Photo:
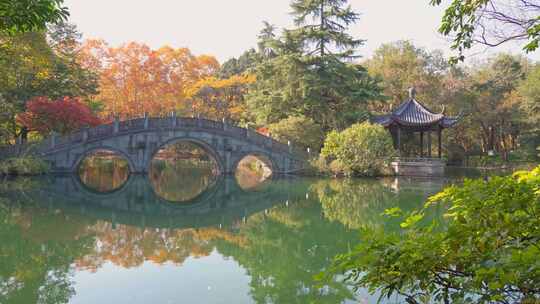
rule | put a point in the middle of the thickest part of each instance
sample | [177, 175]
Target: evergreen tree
[266, 48]
[238, 66]
[267, 38]
[322, 29]
[310, 72]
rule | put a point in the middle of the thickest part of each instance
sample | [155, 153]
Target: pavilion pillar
[422, 144]
[429, 143]
[440, 142]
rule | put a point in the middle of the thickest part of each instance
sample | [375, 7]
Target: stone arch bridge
[137, 140]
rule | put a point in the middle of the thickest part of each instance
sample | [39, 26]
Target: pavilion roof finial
[412, 93]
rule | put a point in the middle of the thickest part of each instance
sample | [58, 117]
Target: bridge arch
[138, 140]
[200, 143]
[264, 157]
[88, 152]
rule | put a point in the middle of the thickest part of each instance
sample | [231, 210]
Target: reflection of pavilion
[425, 185]
[413, 117]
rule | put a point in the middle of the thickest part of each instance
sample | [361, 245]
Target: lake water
[106, 237]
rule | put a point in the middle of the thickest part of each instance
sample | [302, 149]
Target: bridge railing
[211, 124]
[76, 136]
[186, 122]
[154, 123]
[20, 149]
[100, 131]
[237, 131]
[62, 141]
[129, 125]
[159, 123]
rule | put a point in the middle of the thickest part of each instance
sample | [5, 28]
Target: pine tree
[322, 28]
[267, 39]
[311, 73]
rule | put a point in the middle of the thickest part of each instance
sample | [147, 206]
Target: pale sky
[226, 28]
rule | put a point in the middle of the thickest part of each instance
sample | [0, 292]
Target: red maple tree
[64, 115]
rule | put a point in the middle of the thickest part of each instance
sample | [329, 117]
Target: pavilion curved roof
[413, 114]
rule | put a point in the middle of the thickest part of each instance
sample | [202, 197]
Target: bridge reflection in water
[282, 231]
[136, 203]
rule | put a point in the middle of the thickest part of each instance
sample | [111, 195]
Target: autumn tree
[488, 94]
[134, 79]
[40, 64]
[63, 116]
[221, 98]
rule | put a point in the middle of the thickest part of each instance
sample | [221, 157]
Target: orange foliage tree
[63, 115]
[221, 98]
[130, 246]
[135, 79]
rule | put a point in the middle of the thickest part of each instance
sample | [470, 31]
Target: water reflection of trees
[281, 248]
[252, 172]
[287, 246]
[41, 247]
[129, 246]
[181, 171]
[104, 171]
[34, 269]
[361, 202]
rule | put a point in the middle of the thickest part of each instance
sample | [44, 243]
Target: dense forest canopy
[313, 69]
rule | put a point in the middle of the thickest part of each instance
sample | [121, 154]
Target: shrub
[363, 149]
[300, 131]
[25, 165]
[486, 253]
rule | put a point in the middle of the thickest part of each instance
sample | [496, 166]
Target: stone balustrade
[106, 134]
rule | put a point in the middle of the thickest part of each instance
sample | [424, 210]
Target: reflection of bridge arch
[89, 152]
[135, 182]
[89, 189]
[137, 205]
[139, 139]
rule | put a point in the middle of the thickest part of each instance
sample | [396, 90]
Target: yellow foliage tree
[216, 98]
[135, 79]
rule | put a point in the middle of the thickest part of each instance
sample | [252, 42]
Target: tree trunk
[24, 135]
[485, 137]
[322, 29]
[491, 143]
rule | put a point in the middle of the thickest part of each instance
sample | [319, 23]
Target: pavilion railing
[418, 159]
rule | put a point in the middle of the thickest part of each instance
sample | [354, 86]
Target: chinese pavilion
[413, 117]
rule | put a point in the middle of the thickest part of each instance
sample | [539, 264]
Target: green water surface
[69, 239]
